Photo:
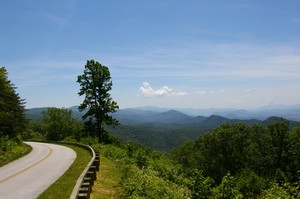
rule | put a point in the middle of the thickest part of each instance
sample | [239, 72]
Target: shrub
[226, 189]
[145, 183]
[200, 186]
[276, 192]
[250, 184]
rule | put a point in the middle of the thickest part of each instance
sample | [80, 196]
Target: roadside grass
[63, 187]
[13, 152]
[107, 185]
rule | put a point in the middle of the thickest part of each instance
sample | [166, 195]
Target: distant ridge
[290, 112]
[131, 116]
[162, 130]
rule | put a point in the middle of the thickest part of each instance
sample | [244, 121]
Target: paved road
[29, 176]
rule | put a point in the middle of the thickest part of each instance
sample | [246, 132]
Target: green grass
[13, 152]
[64, 186]
[107, 185]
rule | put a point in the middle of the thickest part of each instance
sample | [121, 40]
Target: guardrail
[85, 182]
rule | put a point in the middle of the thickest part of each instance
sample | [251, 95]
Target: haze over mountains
[164, 129]
[290, 112]
[150, 114]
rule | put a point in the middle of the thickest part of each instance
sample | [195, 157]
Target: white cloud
[203, 92]
[248, 90]
[148, 91]
[200, 92]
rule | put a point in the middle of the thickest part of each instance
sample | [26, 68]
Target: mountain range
[164, 129]
[290, 112]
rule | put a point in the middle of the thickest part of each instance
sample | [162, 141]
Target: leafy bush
[276, 192]
[200, 186]
[226, 190]
[29, 134]
[111, 151]
[88, 140]
[250, 184]
[168, 170]
[11, 149]
[145, 183]
[146, 174]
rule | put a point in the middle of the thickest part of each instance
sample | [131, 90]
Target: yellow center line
[29, 167]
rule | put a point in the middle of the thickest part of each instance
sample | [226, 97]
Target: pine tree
[95, 84]
[12, 107]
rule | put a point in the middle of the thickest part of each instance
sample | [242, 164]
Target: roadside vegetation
[12, 149]
[107, 185]
[12, 121]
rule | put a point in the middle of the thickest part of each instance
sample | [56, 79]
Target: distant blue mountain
[182, 116]
[290, 112]
[165, 129]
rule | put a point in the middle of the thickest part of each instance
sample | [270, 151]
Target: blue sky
[167, 53]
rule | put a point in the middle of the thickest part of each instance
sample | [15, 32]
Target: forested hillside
[231, 161]
[160, 130]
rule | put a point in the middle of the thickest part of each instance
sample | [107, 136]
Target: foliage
[146, 174]
[293, 154]
[95, 84]
[226, 189]
[162, 137]
[11, 149]
[30, 134]
[232, 161]
[59, 123]
[250, 184]
[145, 183]
[200, 186]
[256, 156]
[12, 119]
[276, 192]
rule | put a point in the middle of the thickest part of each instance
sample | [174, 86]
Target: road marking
[29, 167]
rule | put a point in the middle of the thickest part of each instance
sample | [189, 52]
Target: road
[29, 176]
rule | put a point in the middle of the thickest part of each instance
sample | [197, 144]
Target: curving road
[30, 175]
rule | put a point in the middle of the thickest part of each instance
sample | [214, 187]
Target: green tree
[260, 151]
[12, 117]
[223, 150]
[95, 84]
[59, 123]
[279, 132]
[294, 155]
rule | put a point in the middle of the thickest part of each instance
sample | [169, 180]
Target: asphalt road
[29, 176]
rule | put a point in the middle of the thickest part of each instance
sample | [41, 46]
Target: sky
[166, 53]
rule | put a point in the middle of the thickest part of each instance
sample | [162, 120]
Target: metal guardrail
[85, 182]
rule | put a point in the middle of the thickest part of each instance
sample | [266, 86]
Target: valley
[163, 129]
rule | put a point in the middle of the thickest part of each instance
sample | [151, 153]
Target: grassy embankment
[63, 187]
[11, 150]
[107, 185]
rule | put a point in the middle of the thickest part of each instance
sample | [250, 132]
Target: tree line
[255, 155]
